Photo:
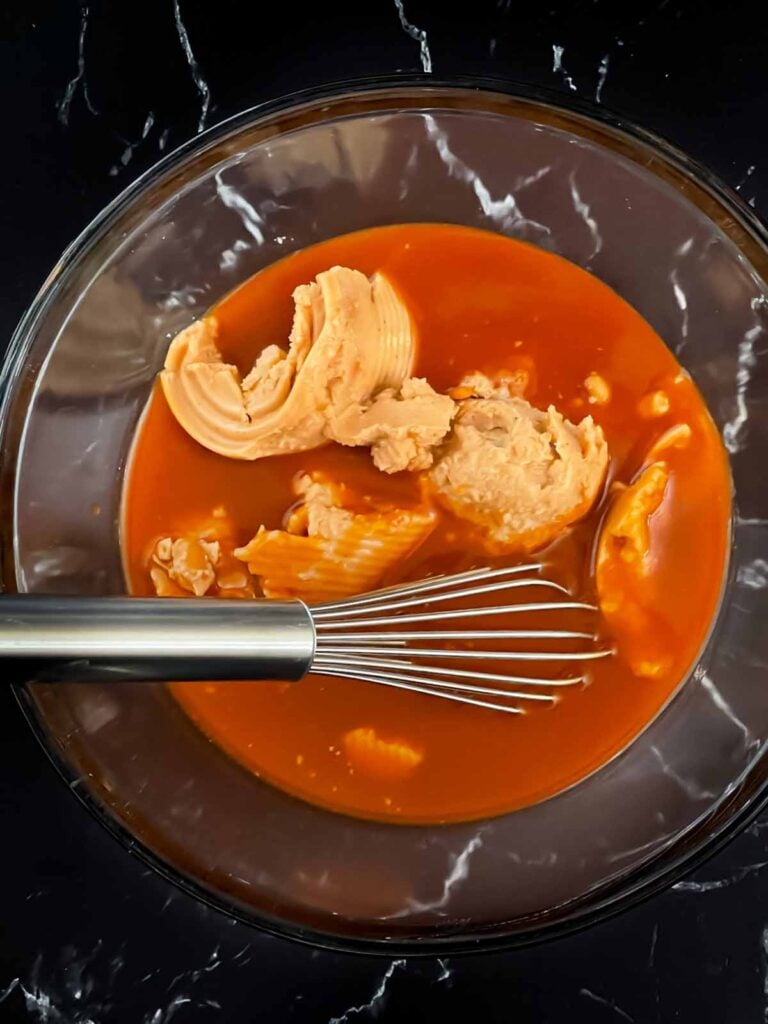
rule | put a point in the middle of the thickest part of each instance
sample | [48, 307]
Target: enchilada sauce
[485, 303]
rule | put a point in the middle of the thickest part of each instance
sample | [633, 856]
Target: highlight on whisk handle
[125, 638]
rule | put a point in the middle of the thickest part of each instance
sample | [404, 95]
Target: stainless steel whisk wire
[350, 641]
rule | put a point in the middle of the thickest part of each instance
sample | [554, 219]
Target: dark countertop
[93, 95]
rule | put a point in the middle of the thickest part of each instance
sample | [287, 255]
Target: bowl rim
[748, 797]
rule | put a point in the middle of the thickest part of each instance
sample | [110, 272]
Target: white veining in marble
[652, 948]
[585, 213]
[545, 860]
[166, 903]
[505, 212]
[408, 171]
[55, 561]
[525, 180]
[714, 884]
[617, 1010]
[445, 970]
[746, 363]
[162, 142]
[653, 844]
[11, 987]
[602, 74]
[689, 787]
[164, 1015]
[374, 1003]
[241, 957]
[65, 105]
[195, 974]
[681, 300]
[764, 959]
[685, 247]
[722, 705]
[130, 147]
[558, 69]
[419, 35]
[70, 995]
[230, 257]
[200, 83]
[251, 218]
[754, 574]
[750, 171]
[41, 1008]
[149, 124]
[38, 893]
[751, 521]
[181, 298]
[459, 872]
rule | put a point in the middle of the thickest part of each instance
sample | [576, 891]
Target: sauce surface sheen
[480, 302]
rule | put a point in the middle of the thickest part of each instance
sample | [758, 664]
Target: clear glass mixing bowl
[680, 247]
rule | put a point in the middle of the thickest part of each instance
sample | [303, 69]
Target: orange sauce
[479, 302]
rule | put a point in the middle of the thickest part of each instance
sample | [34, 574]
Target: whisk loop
[356, 639]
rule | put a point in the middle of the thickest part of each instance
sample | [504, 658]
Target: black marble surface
[92, 95]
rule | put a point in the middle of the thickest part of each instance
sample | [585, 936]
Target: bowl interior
[87, 356]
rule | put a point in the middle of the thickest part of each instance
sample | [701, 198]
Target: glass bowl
[669, 238]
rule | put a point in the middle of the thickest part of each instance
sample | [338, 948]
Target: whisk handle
[154, 639]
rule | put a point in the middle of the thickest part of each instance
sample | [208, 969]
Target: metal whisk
[392, 637]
